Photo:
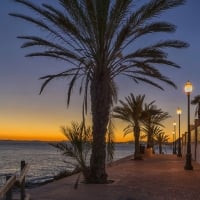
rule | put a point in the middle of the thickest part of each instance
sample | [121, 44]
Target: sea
[45, 160]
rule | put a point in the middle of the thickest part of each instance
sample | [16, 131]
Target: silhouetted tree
[131, 111]
[160, 138]
[96, 40]
[77, 146]
[153, 118]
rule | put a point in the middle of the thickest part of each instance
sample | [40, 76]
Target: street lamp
[173, 143]
[188, 164]
[179, 111]
[174, 125]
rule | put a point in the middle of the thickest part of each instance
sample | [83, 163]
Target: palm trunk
[100, 106]
[137, 155]
[149, 140]
[160, 148]
[152, 144]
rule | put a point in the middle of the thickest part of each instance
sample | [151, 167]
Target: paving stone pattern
[160, 177]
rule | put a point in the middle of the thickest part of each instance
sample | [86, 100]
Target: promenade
[160, 177]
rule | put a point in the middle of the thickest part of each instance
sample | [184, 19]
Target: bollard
[22, 187]
[9, 192]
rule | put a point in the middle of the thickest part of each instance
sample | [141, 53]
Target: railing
[6, 191]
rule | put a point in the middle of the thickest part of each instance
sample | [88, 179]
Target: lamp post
[179, 111]
[173, 143]
[188, 164]
[174, 125]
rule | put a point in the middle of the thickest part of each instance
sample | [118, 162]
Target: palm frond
[96, 32]
[48, 78]
[96, 40]
[128, 129]
[78, 143]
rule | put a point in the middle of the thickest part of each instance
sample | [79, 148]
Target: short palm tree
[96, 41]
[160, 139]
[153, 118]
[131, 111]
[78, 145]
[196, 101]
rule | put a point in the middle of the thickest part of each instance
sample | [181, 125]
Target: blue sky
[23, 111]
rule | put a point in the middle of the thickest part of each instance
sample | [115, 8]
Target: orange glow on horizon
[40, 137]
[31, 129]
[52, 134]
[53, 137]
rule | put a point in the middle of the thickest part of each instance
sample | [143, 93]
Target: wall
[195, 141]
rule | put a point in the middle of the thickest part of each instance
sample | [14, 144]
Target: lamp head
[188, 87]
[178, 111]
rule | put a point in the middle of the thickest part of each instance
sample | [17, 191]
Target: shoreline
[60, 176]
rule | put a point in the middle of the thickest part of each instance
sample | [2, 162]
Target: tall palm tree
[153, 118]
[160, 139]
[196, 101]
[131, 111]
[96, 40]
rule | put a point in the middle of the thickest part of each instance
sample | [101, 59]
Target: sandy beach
[158, 177]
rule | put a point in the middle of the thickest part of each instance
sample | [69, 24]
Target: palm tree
[131, 111]
[160, 139]
[196, 101]
[95, 39]
[153, 118]
[78, 145]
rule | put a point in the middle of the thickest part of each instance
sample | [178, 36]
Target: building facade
[195, 141]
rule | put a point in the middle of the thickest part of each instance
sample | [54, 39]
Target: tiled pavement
[160, 177]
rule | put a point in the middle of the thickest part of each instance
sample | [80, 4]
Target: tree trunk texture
[149, 140]
[100, 106]
[137, 154]
[160, 148]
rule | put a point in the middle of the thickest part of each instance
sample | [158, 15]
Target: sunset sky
[26, 115]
